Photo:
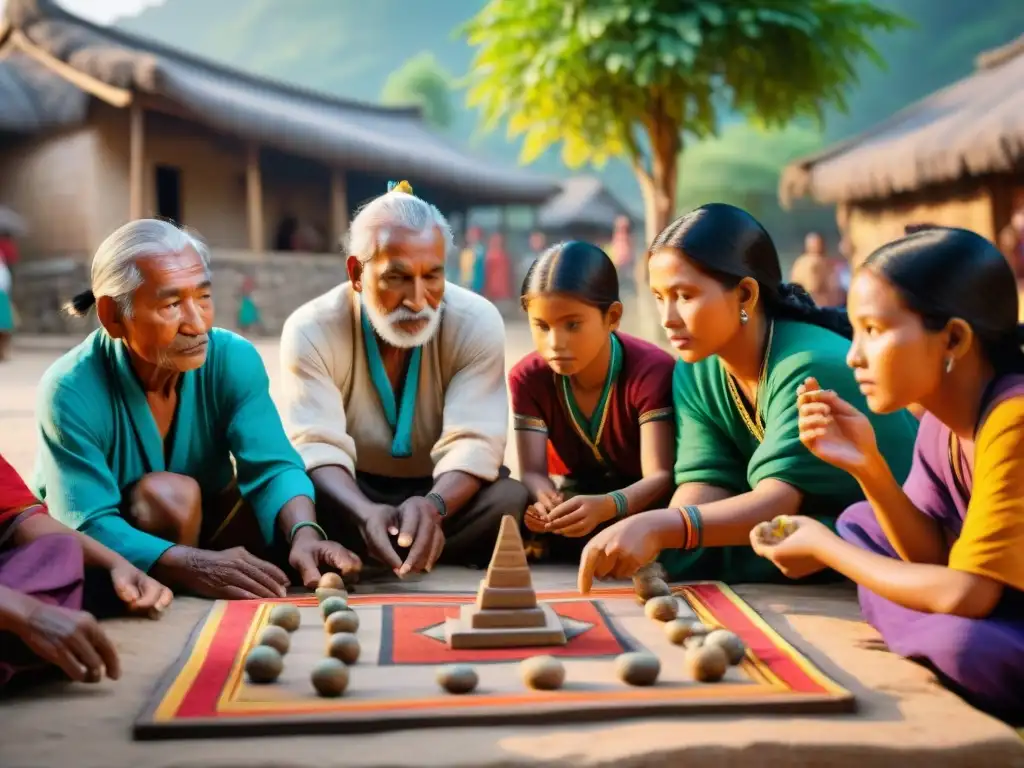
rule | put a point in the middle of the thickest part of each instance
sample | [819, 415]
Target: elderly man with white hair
[395, 397]
[158, 437]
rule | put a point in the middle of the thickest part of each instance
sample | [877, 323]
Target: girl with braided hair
[746, 342]
[937, 558]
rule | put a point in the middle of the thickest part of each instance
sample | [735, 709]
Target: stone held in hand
[345, 620]
[276, 637]
[332, 605]
[649, 588]
[263, 664]
[678, 631]
[543, 673]
[285, 615]
[663, 608]
[330, 677]
[331, 580]
[638, 668]
[457, 678]
[707, 663]
[729, 642]
[344, 646]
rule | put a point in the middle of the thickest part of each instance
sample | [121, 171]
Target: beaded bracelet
[621, 504]
[694, 538]
[306, 524]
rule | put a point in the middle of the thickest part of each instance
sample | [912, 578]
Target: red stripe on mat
[201, 698]
[762, 645]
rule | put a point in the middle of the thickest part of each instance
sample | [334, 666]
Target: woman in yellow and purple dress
[600, 399]
[938, 559]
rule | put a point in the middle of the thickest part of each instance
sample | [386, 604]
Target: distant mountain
[349, 47]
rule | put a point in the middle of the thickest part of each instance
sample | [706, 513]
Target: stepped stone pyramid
[506, 613]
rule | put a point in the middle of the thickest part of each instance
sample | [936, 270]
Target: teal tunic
[98, 437]
[716, 446]
[6, 313]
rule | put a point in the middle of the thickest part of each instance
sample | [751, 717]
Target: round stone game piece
[323, 593]
[694, 641]
[678, 630]
[729, 642]
[647, 588]
[343, 646]
[332, 605]
[457, 678]
[345, 620]
[276, 637]
[330, 677]
[544, 673]
[662, 608]
[263, 664]
[638, 668]
[331, 580]
[286, 616]
[707, 663]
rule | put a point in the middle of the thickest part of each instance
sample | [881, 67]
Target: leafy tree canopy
[631, 78]
[422, 81]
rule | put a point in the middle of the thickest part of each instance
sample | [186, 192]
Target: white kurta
[333, 413]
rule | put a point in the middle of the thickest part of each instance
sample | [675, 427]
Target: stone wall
[284, 281]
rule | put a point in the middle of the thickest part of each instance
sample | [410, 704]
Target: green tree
[741, 165]
[421, 81]
[634, 78]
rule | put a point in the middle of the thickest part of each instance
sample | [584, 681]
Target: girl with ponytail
[940, 559]
[746, 341]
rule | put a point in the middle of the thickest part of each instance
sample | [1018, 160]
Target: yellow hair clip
[400, 186]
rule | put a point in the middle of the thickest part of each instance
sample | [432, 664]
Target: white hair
[115, 272]
[392, 216]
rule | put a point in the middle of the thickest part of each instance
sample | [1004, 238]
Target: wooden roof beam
[112, 95]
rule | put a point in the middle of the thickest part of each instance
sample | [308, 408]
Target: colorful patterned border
[197, 698]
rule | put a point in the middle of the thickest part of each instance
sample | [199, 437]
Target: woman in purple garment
[939, 562]
[42, 579]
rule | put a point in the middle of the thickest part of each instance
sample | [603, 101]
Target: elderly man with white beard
[395, 397]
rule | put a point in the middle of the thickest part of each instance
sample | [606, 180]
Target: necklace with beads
[755, 424]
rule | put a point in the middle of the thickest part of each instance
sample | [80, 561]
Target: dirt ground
[904, 717]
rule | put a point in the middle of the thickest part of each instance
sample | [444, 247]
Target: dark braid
[729, 244]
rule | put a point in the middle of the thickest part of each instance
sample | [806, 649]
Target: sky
[102, 11]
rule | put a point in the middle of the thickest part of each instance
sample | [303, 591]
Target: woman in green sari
[746, 342]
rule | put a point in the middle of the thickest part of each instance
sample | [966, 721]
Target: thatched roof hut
[583, 209]
[54, 63]
[970, 128]
[954, 158]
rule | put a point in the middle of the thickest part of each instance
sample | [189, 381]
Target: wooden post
[339, 210]
[254, 198]
[137, 161]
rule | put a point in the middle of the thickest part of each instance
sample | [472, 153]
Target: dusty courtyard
[903, 717]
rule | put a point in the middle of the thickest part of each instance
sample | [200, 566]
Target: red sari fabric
[15, 496]
[641, 393]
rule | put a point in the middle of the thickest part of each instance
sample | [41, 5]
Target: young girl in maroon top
[598, 399]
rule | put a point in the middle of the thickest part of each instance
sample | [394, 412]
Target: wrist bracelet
[439, 503]
[306, 524]
[621, 504]
[694, 525]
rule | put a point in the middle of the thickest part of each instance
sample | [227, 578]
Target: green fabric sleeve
[79, 489]
[781, 455]
[270, 471]
[704, 454]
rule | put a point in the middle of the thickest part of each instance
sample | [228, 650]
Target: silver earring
[949, 365]
[744, 317]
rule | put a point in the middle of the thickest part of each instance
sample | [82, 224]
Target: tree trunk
[658, 188]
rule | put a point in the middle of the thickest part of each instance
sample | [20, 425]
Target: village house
[98, 126]
[955, 158]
